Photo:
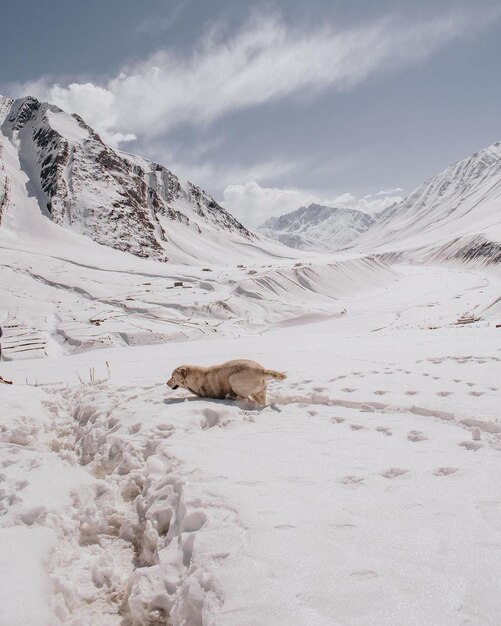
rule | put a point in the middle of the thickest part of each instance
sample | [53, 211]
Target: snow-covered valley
[365, 492]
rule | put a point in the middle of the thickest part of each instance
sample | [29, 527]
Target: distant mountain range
[454, 215]
[52, 163]
[318, 227]
[54, 166]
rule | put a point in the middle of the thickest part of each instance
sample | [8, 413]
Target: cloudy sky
[270, 105]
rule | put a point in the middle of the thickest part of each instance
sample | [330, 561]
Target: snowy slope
[366, 493]
[317, 227]
[116, 199]
[454, 215]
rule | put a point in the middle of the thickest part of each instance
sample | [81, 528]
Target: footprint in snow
[385, 430]
[364, 574]
[411, 393]
[445, 471]
[476, 393]
[357, 426]
[380, 392]
[394, 472]
[416, 435]
[348, 389]
[337, 420]
[471, 445]
[351, 480]
[443, 394]
[284, 526]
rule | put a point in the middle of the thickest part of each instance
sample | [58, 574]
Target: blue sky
[270, 105]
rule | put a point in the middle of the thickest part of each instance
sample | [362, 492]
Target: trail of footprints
[395, 472]
[412, 392]
[413, 436]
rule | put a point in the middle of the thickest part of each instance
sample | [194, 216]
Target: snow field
[362, 494]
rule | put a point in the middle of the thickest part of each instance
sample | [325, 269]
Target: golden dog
[234, 379]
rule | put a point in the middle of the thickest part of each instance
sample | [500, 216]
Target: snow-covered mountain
[317, 227]
[454, 215]
[65, 171]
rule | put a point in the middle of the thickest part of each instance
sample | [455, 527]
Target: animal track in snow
[283, 526]
[351, 480]
[357, 426]
[394, 472]
[385, 430]
[337, 420]
[416, 435]
[380, 392]
[348, 389]
[443, 394]
[445, 471]
[471, 445]
[411, 392]
[364, 574]
[476, 393]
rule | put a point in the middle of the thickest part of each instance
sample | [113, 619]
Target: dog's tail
[274, 374]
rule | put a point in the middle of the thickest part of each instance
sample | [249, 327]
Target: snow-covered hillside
[454, 215]
[365, 492]
[68, 174]
[317, 227]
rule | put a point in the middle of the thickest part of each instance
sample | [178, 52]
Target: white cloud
[206, 173]
[253, 204]
[263, 62]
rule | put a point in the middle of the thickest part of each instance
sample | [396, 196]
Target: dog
[231, 380]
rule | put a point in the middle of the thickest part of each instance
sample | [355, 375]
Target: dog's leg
[241, 385]
[260, 396]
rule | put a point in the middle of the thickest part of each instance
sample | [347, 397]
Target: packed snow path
[366, 493]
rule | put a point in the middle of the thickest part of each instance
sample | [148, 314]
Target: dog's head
[178, 377]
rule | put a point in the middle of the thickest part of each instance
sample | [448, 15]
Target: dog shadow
[245, 405]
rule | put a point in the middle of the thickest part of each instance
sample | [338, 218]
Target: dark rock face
[118, 200]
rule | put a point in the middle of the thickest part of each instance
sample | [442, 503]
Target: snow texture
[366, 491]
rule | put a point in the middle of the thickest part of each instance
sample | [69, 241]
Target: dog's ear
[183, 371]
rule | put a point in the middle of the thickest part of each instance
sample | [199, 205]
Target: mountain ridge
[119, 200]
[317, 227]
